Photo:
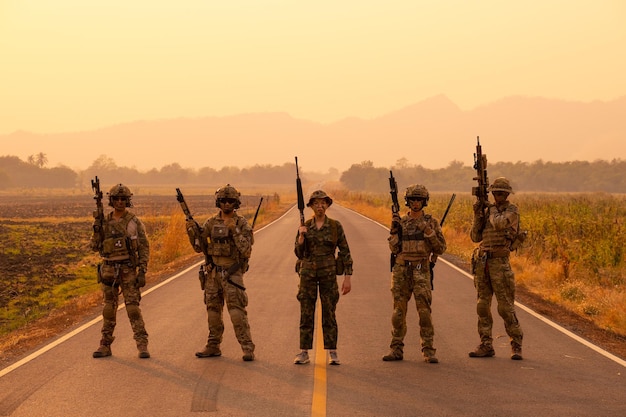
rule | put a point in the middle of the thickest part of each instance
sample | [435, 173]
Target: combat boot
[394, 355]
[483, 351]
[429, 355]
[103, 351]
[209, 351]
[516, 351]
[143, 350]
[248, 355]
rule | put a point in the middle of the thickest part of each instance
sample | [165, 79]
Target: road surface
[559, 376]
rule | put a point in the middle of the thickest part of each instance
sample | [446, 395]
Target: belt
[219, 268]
[417, 264]
[119, 262]
[503, 253]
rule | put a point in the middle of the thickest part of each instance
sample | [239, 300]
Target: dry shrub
[170, 241]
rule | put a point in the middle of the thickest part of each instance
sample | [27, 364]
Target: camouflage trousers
[407, 281]
[494, 276]
[218, 291]
[125, 284]
[326, 281]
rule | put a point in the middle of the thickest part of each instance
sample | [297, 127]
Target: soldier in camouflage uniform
[315, 246]
[496, 228]
[228, 238]
[125, 251]
[415, 239]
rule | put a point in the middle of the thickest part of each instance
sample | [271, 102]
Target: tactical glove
[478, 208]
[141, 279]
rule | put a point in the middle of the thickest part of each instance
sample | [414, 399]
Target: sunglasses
[228, 200]
[119, 198]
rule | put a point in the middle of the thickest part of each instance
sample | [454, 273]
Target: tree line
[538, 176]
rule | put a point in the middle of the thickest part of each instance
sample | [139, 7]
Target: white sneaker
[302, 358]
[334, 359]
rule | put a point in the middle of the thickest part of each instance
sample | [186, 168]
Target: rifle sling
[228, 272]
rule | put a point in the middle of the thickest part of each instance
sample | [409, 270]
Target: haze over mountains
[431, 133]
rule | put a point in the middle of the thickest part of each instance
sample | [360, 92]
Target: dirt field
[34, 260]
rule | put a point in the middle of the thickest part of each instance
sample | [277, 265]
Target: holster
[203, 273]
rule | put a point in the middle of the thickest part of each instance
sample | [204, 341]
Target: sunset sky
[71, 65]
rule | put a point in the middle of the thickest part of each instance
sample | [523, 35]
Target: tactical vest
[116, 241]
[414, 244]
[220, 242]
[498, 239]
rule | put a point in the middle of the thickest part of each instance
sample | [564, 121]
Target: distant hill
[431, 133]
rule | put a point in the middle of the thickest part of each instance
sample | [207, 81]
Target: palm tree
[41, 160]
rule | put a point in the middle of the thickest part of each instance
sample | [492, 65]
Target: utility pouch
[473, 261]
[339, 266]
[98, 273]
[202, 276]
[107, 274]
[114, 246]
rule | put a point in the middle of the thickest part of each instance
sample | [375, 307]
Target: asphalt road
[559, 376]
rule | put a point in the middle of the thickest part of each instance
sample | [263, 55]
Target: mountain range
[431, 133]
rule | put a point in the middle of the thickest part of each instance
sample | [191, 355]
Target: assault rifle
[194, 230]
[98, 214]
[300, 194]
[480, 165]
[433, 260]
[395, 209]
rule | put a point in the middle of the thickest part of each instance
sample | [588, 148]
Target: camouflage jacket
[320, 245]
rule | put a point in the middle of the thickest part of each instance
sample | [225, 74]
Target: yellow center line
[318, 407]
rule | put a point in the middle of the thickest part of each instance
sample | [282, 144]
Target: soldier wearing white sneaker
[316, 243]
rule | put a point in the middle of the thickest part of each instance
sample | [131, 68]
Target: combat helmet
[416, 191]
[227, 191]
[120, 190]
[319, 194]
[501, 184]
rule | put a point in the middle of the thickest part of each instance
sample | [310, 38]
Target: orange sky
[71, 65]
